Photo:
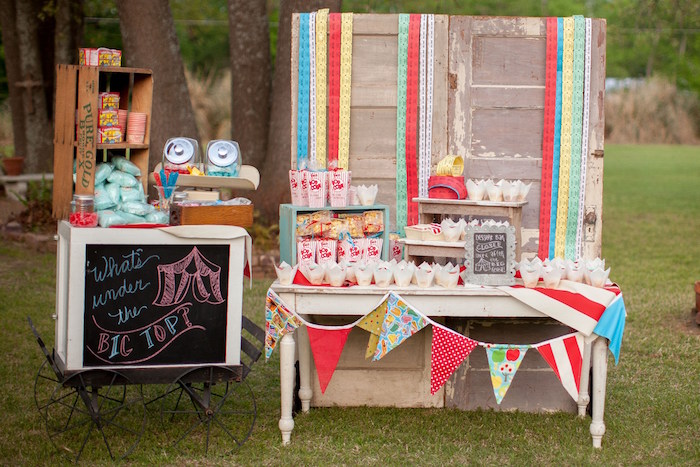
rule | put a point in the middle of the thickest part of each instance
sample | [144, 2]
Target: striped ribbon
[576, 130]
[345, 87]
[312, 88]
[412, 116]
[401, 199]
[550, 97]
[422, 183]
[584, 144]
[334, 27]
[557, 139]
[321, 87]
[565, 151]
[303, 93]
[427, 56]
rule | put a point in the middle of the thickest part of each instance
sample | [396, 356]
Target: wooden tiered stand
[77, 88]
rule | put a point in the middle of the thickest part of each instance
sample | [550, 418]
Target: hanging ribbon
[321, 87]
[401, 189]
[550, 96]
[312, 87]
[303, 93]
[576, 134]
[412, 117]
[584, 144]
[556, 149]
[345, 88]
[334, 26]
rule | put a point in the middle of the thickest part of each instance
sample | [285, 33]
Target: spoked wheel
[45, 384]
[95, 413]
[208, 410]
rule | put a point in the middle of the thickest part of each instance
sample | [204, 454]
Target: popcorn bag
[373, 249]
[338, 187]
[306, 251]
[326, 250]
[395, 250]
[295, 185]
[350, 249]
[317, 189]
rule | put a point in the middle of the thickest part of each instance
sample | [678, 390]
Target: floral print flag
[400, 323]
[504, 361]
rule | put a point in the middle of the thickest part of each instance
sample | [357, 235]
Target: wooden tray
[248, 179]
[241, 216]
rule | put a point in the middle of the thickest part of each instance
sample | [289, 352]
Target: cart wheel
[95, 412]
[212, 409]
[44, 385]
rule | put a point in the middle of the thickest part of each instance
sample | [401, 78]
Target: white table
[436, 302]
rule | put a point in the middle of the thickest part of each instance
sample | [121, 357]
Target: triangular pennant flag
[400, 323]
[326, 345]
[373, 324]
[504, 361]
[448, 350]
[565, 356]
[279, 320]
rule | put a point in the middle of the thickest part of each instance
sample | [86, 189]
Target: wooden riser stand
[77, 88]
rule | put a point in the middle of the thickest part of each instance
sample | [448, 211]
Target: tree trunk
[274, 180]
[69, 26]
[38, 127]
[8, 26]
[249, 46]
[149, 41]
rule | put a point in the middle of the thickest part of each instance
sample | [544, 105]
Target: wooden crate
[77, 88]
[241, 216]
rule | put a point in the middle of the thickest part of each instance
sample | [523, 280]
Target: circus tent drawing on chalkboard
[193, 271]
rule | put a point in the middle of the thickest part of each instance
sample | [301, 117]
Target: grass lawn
[651, 239]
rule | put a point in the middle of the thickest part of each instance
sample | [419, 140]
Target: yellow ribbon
[321, 86]
[345, 85]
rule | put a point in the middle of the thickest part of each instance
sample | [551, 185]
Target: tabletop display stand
[435, 210]
[288, 225]
[77, 89]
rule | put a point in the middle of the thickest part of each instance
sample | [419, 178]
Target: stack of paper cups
[136, 127]
[122, 119]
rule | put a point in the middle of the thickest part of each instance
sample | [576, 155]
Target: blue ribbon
[557, 138]
[303, 93]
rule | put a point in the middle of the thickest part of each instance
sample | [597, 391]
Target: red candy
[83, 219]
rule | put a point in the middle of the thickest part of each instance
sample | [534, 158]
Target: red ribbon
[334, 28]
[412, 116]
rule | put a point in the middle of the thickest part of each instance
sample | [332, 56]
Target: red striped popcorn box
[317, 189]
[306, 251]
[326, 249]
[338, 184]
[295, 185]
[350, 249]
[372, 249]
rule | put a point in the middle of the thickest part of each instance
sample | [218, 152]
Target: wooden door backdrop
[489, 80]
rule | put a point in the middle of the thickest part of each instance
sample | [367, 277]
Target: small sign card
[490, 255]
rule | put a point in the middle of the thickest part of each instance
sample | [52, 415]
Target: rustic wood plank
[373, 132]
[507, 133]
[440, 85]
[509, 26]
[386, 25]
[500, 97]
[374, 60]
[459, 85]
[508, 60]
[88, 80]
[64, 137]
[525, 169]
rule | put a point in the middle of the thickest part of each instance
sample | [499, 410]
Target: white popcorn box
[338, 186]
[304, 183]
[372, 249]
[326, 249]
[317, 189]
[350, 249]
[295, 185]
[306, 251]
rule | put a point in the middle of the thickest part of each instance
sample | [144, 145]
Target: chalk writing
[490, 253]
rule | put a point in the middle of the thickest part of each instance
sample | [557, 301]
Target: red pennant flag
[448, 351]
[326, 345]
[565, 356]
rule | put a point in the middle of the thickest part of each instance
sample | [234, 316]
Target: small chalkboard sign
[490, 255]
[155, 304]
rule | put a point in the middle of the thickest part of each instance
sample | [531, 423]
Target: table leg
[286, 423]
[305, 388]
[583, 397]
[600, 370]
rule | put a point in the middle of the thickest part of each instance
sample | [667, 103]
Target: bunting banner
[611, 325]
[565, 355]
[326, 345]
[504, 361]
[372, 323]
[447, 352]
[400, 322]
[279, 320]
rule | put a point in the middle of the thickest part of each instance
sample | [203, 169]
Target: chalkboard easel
[490, 255]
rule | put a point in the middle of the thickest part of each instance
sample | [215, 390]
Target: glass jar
[83, 211]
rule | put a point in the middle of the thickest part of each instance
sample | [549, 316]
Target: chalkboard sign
[155, 304]
[490, 252]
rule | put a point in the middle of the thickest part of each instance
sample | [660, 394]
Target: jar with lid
[83, 211]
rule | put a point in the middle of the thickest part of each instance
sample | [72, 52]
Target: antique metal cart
[138, 310]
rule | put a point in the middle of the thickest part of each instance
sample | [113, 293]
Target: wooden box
[241, 216]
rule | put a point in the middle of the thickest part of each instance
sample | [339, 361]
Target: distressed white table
[436, 302]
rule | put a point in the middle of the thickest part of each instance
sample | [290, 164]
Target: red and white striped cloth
[571, 303]
[565, 355]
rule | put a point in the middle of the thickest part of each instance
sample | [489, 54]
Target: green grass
[651, 241]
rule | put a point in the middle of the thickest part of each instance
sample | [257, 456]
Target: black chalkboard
[155, 304]
[490, 253]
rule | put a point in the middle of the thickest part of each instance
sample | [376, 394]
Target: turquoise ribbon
[303, 93]
[401, 84]
[557, 138]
